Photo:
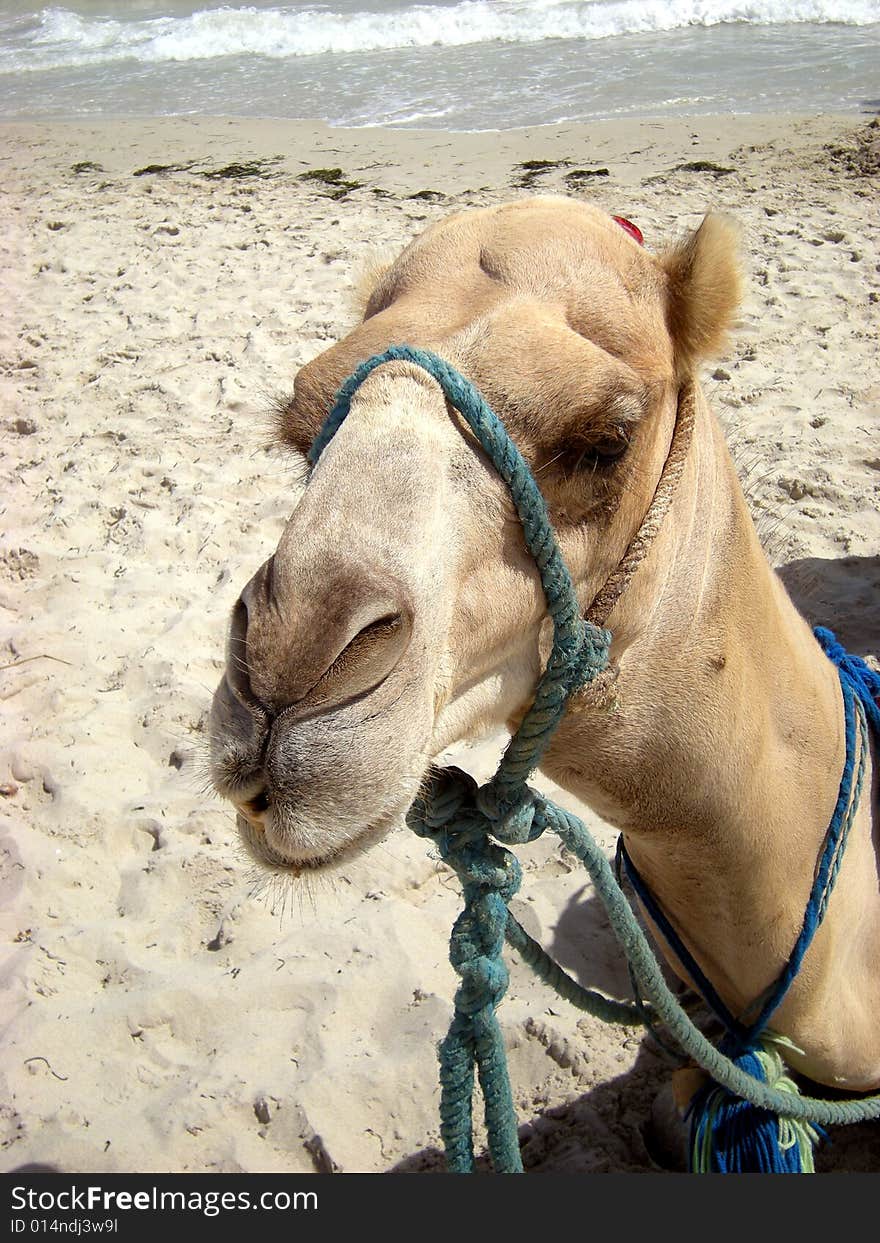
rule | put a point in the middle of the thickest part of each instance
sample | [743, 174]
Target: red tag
[632, 229]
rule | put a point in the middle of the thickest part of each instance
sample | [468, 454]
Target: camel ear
[704, 289]
[368, 276]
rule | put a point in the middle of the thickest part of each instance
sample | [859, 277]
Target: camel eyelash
[596, 454]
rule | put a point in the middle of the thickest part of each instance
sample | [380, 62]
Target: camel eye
[593, 455]
[609, 448]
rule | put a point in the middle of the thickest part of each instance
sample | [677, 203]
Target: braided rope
[744, 1031]
[461, 819]
[618, 581]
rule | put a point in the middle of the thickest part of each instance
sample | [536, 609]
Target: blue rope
[676, 944]
[855, 709]
[855, 730]
[462, 819]
[728, 1135]
[854, 672]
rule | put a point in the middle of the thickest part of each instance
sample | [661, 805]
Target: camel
[401, 613]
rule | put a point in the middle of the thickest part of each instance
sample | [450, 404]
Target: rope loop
[444, 793]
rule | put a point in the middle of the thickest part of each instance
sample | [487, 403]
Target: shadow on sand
[608, 1130]
[629, 1123]
[842, 593]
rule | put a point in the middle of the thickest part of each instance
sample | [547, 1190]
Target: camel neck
[721, 754]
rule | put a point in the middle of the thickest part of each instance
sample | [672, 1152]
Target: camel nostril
[237, 643]
[237, 671]
[382, 627]
[287, 650]
[378, 638]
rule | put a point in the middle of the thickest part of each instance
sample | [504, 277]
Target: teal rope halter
[462, 819]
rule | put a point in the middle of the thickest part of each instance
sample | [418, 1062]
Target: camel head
[401, 612]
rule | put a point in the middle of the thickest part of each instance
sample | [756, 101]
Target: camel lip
[254, 809]
[267, 854]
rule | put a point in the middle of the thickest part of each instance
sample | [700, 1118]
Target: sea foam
[60, 38]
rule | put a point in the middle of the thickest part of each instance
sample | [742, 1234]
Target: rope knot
[444, 794]
[592, 654]
[510, 822]
[486, 868]
[483, 984]
[512, 879]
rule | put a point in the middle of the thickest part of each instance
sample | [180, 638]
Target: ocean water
[450, 64]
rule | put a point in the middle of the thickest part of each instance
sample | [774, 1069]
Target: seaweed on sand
[338, 186]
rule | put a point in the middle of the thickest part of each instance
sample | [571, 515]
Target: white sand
[149, 1000]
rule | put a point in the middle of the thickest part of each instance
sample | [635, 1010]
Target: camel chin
[282, 853]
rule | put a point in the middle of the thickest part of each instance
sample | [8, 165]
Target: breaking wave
[56, 38]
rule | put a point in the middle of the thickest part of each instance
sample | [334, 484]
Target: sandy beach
[164, 1008]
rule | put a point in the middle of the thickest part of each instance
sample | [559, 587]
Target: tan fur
[401, 612]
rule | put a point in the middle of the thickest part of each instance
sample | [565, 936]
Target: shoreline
[395, 159]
